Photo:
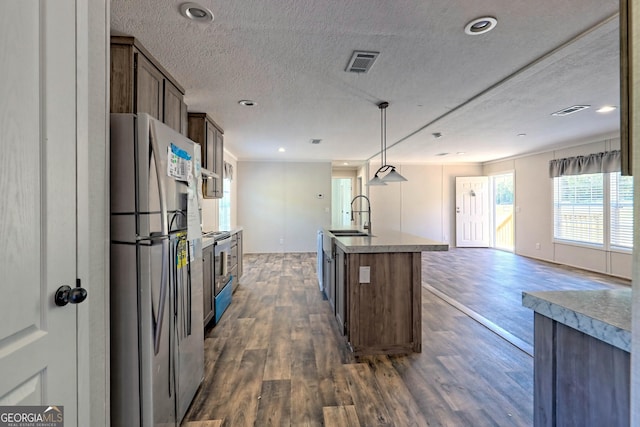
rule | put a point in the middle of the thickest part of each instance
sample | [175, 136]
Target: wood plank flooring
[276, 359]
[490, 282]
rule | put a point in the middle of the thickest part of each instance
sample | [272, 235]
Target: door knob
[66, 294]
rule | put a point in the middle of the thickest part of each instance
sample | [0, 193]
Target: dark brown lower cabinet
[579, 380]
[381, 315]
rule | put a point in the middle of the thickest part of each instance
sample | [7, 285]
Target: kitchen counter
[602, 314]
[388, 241]
[582, 362]
[374, 286]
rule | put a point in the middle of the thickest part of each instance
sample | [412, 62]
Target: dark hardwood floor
[490, 283]
[277, 359]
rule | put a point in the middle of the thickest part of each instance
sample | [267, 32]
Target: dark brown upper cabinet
[139, 84]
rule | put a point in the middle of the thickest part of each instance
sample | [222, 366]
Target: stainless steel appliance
[157, 343]
[223, 282]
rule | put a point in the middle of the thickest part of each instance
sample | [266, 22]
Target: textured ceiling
[479, 91]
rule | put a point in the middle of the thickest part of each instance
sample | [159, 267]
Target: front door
[38, 354]
[472, 212]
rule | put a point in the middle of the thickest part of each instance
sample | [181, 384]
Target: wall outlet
[365, 274]
[538, 246]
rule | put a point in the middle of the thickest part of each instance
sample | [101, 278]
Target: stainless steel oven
[222, 250]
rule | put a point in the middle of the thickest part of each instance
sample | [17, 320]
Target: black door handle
[66, 294]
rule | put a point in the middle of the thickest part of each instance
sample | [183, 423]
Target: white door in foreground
[38, 355]
[472, 212]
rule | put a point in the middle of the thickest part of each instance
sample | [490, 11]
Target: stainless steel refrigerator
[157, 337]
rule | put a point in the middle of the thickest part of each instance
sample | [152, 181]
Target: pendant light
[392, 175]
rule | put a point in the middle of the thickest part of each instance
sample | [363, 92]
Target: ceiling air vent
[570, 110]
[361, 62]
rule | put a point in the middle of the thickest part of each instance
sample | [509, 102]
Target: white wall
[534, 212]
[278, 205]
[424, 205]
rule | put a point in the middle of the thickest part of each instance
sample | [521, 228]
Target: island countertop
[602, 314]
[387, 241]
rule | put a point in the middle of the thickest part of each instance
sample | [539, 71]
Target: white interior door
[38, 354]
[341, 202]
[473, 217]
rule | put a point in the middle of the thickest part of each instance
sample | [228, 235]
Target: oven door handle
[224, 242]
[224, 257]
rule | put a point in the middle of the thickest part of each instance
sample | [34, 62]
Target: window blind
[579, 208]
[621, 210]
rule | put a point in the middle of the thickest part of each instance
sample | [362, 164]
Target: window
[594, 209]
[224, 210]
[621, 210]
[578, 208]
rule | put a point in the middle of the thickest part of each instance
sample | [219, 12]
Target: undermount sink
[349, 233]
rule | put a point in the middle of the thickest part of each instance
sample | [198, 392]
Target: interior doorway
[341, 192]
[503, 219]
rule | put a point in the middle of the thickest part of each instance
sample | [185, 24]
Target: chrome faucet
[367, 225]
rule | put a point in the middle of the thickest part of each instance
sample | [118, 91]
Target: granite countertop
[602, 314]
[386, 241]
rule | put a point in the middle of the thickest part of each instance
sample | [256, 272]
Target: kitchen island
[582, 344]
[377, 289]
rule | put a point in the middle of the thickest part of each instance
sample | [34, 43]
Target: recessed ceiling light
[437, 135]
[345, 164]
[247, 103]
[316, 141]
[195, 12]
[522, 134]
[442, 154]
[480, 25]
[460, 153]
[281, 149]
[606, 109]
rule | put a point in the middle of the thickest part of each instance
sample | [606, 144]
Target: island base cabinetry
[578, 380]
[382, 312]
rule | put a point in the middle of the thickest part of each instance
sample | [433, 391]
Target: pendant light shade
[376, 180]
[392, 175]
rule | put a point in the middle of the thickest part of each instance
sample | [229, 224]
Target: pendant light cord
[382, 161]
[383, 133]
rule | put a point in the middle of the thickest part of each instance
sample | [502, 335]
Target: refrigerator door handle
[189, 313]
[155, 149]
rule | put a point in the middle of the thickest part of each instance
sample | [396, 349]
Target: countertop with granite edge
[602, 314]
[387, 241]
